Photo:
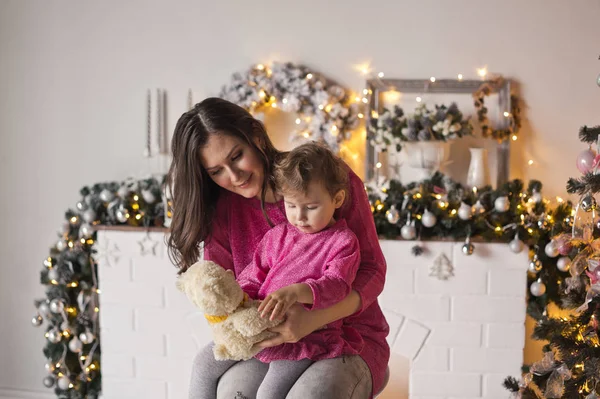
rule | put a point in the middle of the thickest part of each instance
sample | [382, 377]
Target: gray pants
[345, 377]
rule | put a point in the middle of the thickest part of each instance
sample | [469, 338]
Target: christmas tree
[570, 367]
[71, 306]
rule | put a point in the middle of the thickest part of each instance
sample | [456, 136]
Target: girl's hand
[298, 324]
[277, 303]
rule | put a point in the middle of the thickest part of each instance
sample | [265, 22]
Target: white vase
[425, 157]
[477, 174]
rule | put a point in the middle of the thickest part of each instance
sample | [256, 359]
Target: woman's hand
[298, 324]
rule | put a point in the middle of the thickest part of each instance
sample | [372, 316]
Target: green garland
[528, 215]
[70, 308]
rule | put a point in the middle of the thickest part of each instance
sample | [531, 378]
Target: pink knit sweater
[240, 225]
[327, 262]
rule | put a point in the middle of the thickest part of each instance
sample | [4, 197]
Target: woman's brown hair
[194, 193]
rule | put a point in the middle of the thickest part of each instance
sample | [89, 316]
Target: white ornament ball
[87, 337]
[428, 219]
[54, 336]
[106, 195]
[408, 232]
[501, 204]
[75, 345]
[537, 197]
[392, 215]
[50, 367]
[551, 250]
[121, 215]
[37, 320]
[563, 264]
[123, 191]
[89, 216]
[44, 309]
[516, 245]
[148, 196]
[53, 274]
[64, 383]
[464, 212]
[61, 245]
[86, 230]
[537, 288]
[56, 306]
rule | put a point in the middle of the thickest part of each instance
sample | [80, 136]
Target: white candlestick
[147, 149]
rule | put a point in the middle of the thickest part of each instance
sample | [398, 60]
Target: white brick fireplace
[454, 338]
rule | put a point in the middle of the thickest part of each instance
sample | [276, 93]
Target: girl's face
[233, 165]
[312, 211]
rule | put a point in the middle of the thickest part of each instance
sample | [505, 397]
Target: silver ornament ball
[588, 202]
[61, 245]
[86, 230]
[598, 80]
[54, 336]
[563, 264]
[48, 381]
[121, 215]
[537, 288]
[53, 274]
[43, 308]
[408, 232]
[535, 266]
[501, 204]
[428, 219]
[56, 305]
[64, 383]
[75, 345]
[89, 216]
[516, 245]
[87, 337]
[468, 249]
[464, 212]
[148, 196]
[81, 206]
[37, 320]
[551, 249]
[392, 215]
[106, 195]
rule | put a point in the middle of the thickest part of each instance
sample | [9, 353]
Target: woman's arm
[301, 322]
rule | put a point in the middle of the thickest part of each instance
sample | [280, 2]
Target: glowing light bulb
[309, 76]
[380, 74]
[482, 72]
[419, 99]
[514, 137]
[460, 76]
[432, 79]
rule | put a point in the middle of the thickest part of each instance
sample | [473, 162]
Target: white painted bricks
[463, 335]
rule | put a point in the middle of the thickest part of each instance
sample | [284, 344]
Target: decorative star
[107, 250]
[147, 245]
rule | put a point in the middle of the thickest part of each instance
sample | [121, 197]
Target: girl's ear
[338, 198]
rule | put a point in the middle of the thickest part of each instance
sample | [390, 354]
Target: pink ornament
[563, 244]
[594, 276]
[596, 163]
[585, 160]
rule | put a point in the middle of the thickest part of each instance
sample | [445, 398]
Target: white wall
[73, 78]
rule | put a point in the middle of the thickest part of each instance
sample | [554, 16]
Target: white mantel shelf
[461, 336]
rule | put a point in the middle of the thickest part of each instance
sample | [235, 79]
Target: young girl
[312, 260]
[223, 195]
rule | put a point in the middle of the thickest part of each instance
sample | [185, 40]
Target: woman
[224, 195]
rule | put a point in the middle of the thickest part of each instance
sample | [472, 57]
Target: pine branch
[589, 134]
[588, 183]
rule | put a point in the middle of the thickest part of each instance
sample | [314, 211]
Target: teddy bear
[233, 317]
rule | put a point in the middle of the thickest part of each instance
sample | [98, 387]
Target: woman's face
[233, 165]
